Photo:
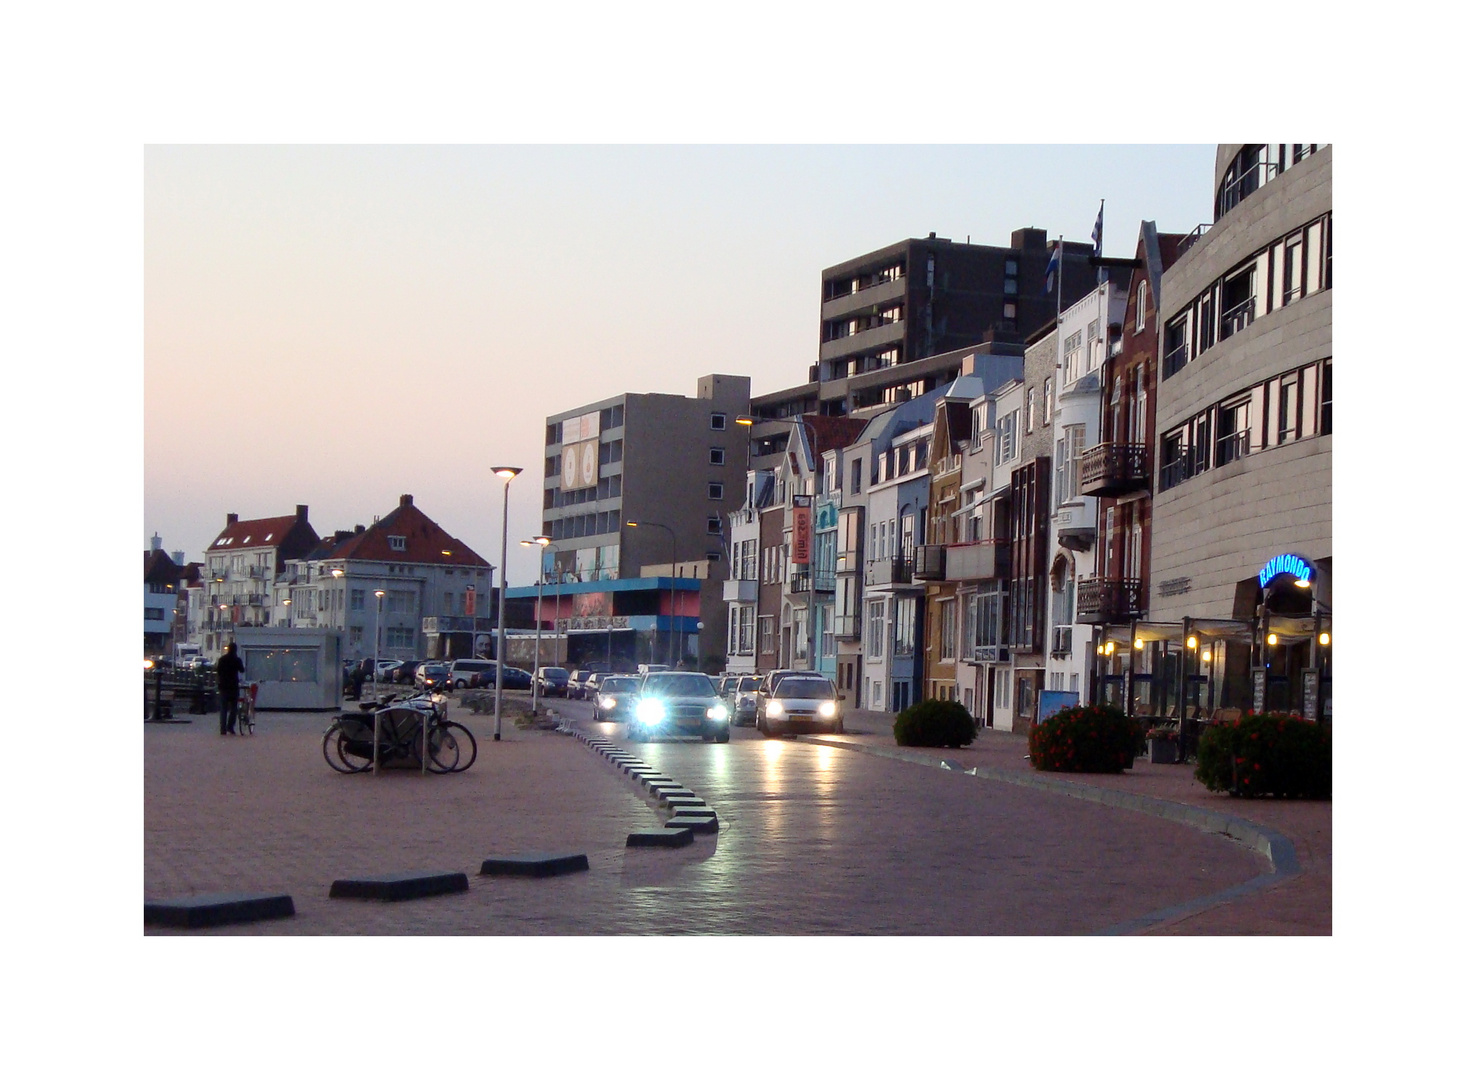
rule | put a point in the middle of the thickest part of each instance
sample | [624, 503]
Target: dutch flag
[1097, 242]
[1053, 268]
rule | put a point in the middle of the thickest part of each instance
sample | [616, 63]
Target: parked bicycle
[408, 727]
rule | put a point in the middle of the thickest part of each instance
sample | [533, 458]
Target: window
[714, 525]
[947, 629]
[718, 421]
[875, 628]
[715, 491]
[1234, 424]
[904, 629]
[1175, 345]
[1004, 443]
[1011, 287]
[1142, 315]
[766, 633]
[1287, 409]
[1237, 301]
[1048, 404]
[716, 455]
[856, 477]
[397, 543]
[356, 599]
[1293, 267]
[399, 637]
[1029, 410]
[356, 636]
[747, 560]
[1071, 357]
[1069, 449]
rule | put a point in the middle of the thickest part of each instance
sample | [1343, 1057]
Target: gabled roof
[260, 532]
[424, 541]
[160, 568]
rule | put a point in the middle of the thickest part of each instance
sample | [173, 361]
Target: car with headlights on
[801, 703]
[616, 697]
[678, 703]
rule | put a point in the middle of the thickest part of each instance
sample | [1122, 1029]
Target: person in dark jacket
[228, 677]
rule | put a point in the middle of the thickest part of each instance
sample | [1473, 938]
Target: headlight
[827, 708]
[717, 712]
[650, 712]
[607, 703]
[773, 710]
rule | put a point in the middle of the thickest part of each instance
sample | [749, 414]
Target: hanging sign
[801, 556]
[1294, 565]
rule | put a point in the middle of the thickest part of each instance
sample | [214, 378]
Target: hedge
[1086, 738]
[934, 723]
[1277, 754]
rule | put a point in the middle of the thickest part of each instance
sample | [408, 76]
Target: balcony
[883, 295]
[1108, 600]
[889, 571]
[824, 581]
[848, 627]
[931, 559]
[978, 561]
[1115, 469]
[799, 581]
[743, 591]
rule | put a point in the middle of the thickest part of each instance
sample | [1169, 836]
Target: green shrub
[934, 723]
[1086, 738]
[1276, 754]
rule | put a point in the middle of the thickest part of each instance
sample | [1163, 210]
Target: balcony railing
[1108, 600]
[1175, 359]
[1231, 447]
[978, 561]
[1190, 238]
[889, 571]
[824, 581]
[1238, 317]
[848, 627]
[740, 590]
[799, 581]
[1115, 468]
[931, 560]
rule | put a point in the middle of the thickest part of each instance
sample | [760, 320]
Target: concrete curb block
[538, 865]
[671, 797]
[1280, 852]
[217, 909]
[411, 886]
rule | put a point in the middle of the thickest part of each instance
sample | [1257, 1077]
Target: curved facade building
[1243, 448]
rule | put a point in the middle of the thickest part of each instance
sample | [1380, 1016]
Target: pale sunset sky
[336, 325]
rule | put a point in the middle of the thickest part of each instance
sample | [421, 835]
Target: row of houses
[1132, 503]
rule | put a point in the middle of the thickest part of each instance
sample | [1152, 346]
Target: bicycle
[404, 724]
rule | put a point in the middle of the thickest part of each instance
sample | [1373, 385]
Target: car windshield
[679, 685]
[555, 672]
[619, 686]
[436, 669]
[804, 688]
[749, 683]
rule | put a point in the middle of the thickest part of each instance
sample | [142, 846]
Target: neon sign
[1294, 565]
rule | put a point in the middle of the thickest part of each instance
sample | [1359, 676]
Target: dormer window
[397, 543]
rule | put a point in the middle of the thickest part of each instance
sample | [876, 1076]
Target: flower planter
[1162, 751]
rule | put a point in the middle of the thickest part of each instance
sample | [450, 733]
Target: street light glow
[505, 472]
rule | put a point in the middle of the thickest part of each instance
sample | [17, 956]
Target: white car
[801, 703]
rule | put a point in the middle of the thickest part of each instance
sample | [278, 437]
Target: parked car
[405, 671]
[808, 703]
[616, 697]
[592, 681]
[576, 682]
[431, 673]
[459, 676]
[553, 681]
[678, 703]
[387, 669]
[513, 678]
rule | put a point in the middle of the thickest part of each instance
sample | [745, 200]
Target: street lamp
[539, 542]
[378, 618]
[671, 629]
[505, 473]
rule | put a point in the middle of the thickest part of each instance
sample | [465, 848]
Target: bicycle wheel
[335, 752]
[444, 750]
[465, 744]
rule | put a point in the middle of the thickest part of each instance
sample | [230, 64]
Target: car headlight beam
[607, 703]
[827, 709]
[650, 712]
[773, 710]
[717, 712]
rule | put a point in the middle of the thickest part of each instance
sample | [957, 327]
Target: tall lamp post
[539, 542]
[505, 473]
[811, 620]
[378, 619]
[671, 633]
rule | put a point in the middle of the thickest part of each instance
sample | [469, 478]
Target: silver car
[801, 703]
[678, 703]
[615, 697]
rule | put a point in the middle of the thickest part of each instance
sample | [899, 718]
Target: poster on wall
[581, 465]
[1053, 701]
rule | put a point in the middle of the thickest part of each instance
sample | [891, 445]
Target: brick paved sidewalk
[1301, 904]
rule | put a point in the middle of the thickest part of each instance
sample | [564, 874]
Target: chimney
[407, 500]
[302, 512]
[156, 544]
[341, 535]
[231, 519]
[178, 557]
[358, 529]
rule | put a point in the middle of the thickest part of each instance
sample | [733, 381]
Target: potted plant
[1163, 744]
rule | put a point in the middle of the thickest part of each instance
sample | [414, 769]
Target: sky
[337, 325]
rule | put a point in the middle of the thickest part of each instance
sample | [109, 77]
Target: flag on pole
[1097, 242]
[1053, 268]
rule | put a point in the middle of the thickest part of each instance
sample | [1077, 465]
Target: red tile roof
[259, 532]
[425, 541]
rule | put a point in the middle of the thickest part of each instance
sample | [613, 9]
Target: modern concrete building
[1242, 516]
[675, 466]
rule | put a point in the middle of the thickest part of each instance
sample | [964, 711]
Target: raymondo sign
[1294, 565]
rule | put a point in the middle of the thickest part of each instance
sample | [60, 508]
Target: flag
[1097, 232]
[1053, 268]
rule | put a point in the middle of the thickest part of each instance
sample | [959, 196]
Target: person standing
[228, 678]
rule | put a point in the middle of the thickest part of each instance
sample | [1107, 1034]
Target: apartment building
[241, 566]
[1242, 515]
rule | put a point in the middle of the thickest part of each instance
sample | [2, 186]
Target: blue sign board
[1294, 565]
[1053, 701]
